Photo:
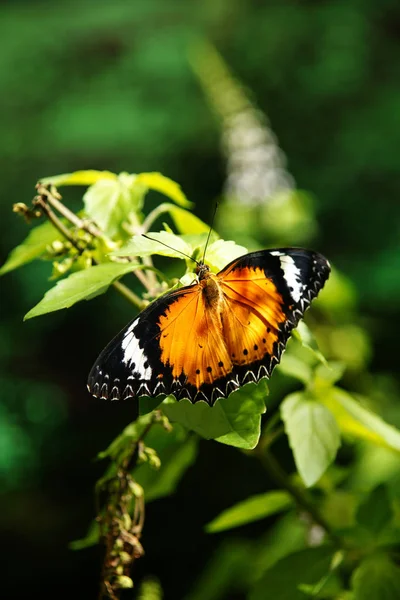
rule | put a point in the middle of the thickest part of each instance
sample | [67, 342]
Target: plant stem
[54, 199]
[120, 527]
[151, 217]
[59, 225]
[43, 198]
[128, 294]
[301, 497]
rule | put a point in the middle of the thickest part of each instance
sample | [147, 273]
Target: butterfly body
[205, 340]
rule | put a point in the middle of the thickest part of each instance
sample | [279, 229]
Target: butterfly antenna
[209, 233]
[171, 248]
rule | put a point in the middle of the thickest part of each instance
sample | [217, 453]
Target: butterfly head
[202, 270]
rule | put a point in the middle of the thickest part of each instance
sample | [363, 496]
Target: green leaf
[222, 252]
[82, 285]
[91, 538]
[88, 177]
[360, 422]
[131, 433]
[252, 509]
[377, 578]
[32, 247]
[147, 403]
[243, 410]
[165, 185]
[184, 220]
[142, 246]
[283, 579]
[177, 451]
[313, 434]
[198, 241]
[234, 421]
[376, 511]
[109, 202]
[304, 335]
[292, 366]
[329, 373]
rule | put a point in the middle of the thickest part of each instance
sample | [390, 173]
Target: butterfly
[205, 340]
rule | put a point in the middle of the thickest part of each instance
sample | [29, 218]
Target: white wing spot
[292, 275]
[134, 355]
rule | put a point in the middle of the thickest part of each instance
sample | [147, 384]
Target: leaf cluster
[327, 556]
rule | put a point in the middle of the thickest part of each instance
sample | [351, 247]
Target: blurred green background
[124, 86]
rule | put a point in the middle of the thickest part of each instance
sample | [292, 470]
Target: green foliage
[184, 220]
[234, 421]
[150, 457]
[82, 285]
[32, 247]
[376, 577]
[283, 580]
[357, 421]
[252, 509]
[177, 452]
[313, 433]
[143, 246]
[375, 512]
[328, 78]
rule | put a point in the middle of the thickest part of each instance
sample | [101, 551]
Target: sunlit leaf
[292, 366]
[358, 421]
[88, 177]
[142, 246]
[283, 579]
[109, 202]
[165, 185]
[352, 344]
[177, 451]
[222, 252]
[32, 247]
[184, 220]
[304, 335]
[82, 285]
[313, 433]
[234, 421]
[376, 511]
[377, 577]
[252, 509]
[243, 410]
[329, 373]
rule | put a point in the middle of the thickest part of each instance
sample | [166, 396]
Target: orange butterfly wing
[191, 341]
[253, 315]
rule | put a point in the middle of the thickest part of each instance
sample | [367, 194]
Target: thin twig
[41, 199]
[54, 198]
[129, 295]
[59, 225]
[151, 217]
